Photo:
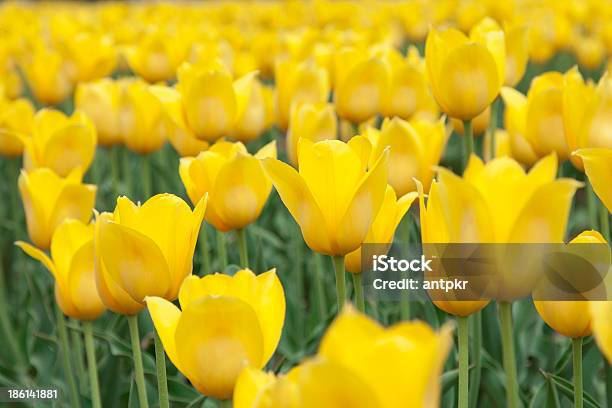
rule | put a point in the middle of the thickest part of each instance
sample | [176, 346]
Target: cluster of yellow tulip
[352, 111]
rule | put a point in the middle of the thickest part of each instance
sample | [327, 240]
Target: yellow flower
[89, 56]
[397, 366]
[59, 142]
[332, 197]
[298, 81]
[16, 119]
[361, 83]
[517, 53]
[100, 101]
[415, 147]
[315, 122]
[72, 265]
[244, 316]
[208, 100]
[602, 329]
[515, 116]
[480, 123]
[145, 250]
[589, 50]
[143, 122]
[181, 137]
[570, 318]
[251, 118]
[49, 199]
[532, 207]
[598, 168]
[466, 74]
[587, 114]
[48, 76]
[383, 227]
[235, 181]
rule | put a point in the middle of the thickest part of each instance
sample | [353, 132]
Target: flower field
[191, 192]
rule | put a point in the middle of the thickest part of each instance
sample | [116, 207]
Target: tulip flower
[89, 56]
[398, 366]
[587, 113]
[72, 266]
[415, 148]
[315, 122]
[16, 119]
[515, 116]
[598, 168]
[360, 85]
[589, 50]
[59, 142]
[466, 74]
[48, 76]
[49, 199]
[480, 124]
[251, 117]
[100, 100]
[602, 329]
[244, 317]
[517, 53]
[234, 180]
[298, 81]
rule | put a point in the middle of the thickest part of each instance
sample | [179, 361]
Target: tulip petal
[165, 317]
[39, 255]
[299, 201]
[601, 312]
[82, 284]
[362, 147]
[249, 385]
[70, 147]
[74, 201]
[598, 168]
[268, 150]
[67, 239]
[194, 288]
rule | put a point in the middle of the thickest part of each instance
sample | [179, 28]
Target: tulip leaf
[566, 388]
[449, 380]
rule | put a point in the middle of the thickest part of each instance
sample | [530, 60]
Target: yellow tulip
[333, 198]
[48, 76]
[208, 100]
[49, 199]
[415, 147]
[143, 122]
[298, 81]
[570, 318]
[89, 56]
[16, 119]
[527, 207]
[517, 53]
[234, 180]
[602, 329]
[590, 51]
[250, 108]
[181, 137]
[100, 101]
[59, 142]
[480, 123]
[361, 85]
[587, 114]
[466, 74]
[315, 122]
[244, 317]
[397, 366]
[383, 227]
[515, 116]
[598, 168]
[72, 265]
[145, 250]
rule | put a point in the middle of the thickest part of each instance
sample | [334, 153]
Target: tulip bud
[48, 76]
[89, 56]
[250, 108]
[100, 101]
[315, 122]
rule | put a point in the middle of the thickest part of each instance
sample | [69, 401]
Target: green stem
[92, 366]
[591, 204]
[145, 167]
[221, 250]
[160, 365]
[476, 351]
[77, 344]
[490, 142]
[604, 221]
[320, 288]
[114, 167]
[244, 250]
[127, 171]
[359, 300]
[137, 356]
[577, 360]
[204, 252]
[468, 140]
[505, 320]
[65, 348]
[340, 282]
[462, 334]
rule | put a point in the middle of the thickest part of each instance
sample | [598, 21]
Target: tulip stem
[221, 250]
[505, 319]
[476, 350]
[318, 271]
[92, 366]
[490, 142]
[77, 345]
[359, 300]
[244, 250]
[160, 365]
[204, 253]
[145, 163]
[65, 348]
[468, 139]
[577, 354]
[462, 334]
[137, 356]
[604, 221]
[340, 282]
